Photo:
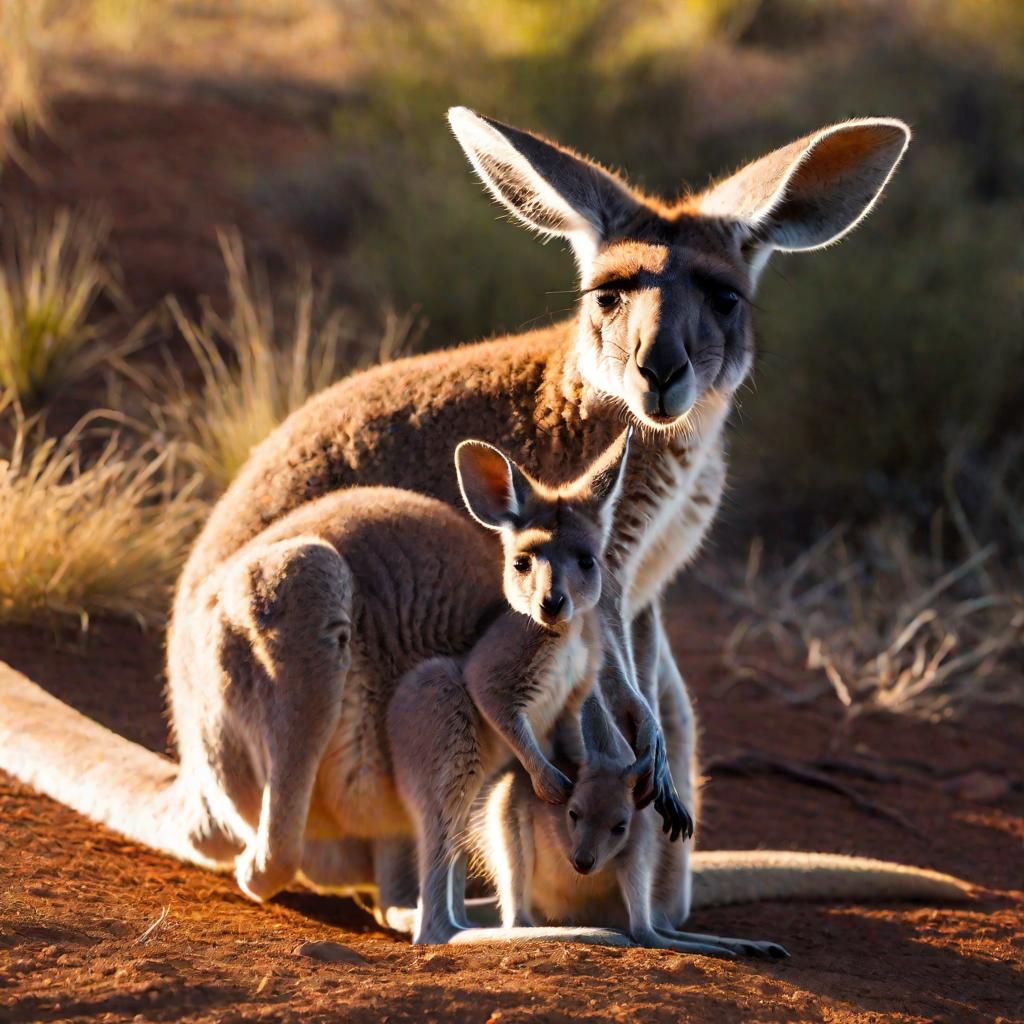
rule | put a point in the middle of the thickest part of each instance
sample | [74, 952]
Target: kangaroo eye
[521, 563]
[586, 562]
[724, 302]
[619, 830]
[608, 300]
[574, 816]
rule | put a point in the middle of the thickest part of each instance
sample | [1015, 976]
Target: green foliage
[879, 356]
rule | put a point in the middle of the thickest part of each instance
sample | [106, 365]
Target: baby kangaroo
[453, 722]
[590, 863]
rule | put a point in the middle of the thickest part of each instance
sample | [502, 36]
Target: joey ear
[493, 487]
[812, 192]
[599, 737]
[603, 481]
[544, 186]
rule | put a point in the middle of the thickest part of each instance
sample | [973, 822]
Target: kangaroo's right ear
[603, 481]
[493, 487]
[546, 187]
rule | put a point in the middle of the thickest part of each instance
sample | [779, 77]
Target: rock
[980, 787]
[329, 952]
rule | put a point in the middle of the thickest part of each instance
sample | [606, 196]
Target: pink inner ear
[494, 477]
[867, 150]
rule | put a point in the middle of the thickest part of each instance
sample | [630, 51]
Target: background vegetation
[890, 387]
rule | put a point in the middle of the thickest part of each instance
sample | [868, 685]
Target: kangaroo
[452, 724]
[389, 577]
[592, 862]
[662, 338]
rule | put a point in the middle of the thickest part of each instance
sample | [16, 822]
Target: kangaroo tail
[92, 770]
[544, 933]
[722, 877]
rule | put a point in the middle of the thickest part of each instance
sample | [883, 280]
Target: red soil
[77, 903]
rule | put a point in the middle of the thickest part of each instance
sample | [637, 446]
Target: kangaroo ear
[602, 484]
[813, 191]
[493, 487]
[599, 734]
[543, 185]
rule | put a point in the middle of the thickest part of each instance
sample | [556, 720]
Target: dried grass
[106, 536]
[252, 373]
[881, 624]
[52, 275]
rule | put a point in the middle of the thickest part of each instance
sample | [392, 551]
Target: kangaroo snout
[667, 387]
[552, 606]
[583, 862]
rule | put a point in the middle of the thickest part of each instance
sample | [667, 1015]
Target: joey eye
[586, 562]
[724, 302]
[574, 817]
[608, 300]
[521, 563]
[619, 830]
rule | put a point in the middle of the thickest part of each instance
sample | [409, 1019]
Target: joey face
[553, 539]
[553, 568]
[598, 819]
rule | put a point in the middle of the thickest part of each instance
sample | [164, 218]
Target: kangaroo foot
[259, 879]
[738, 947]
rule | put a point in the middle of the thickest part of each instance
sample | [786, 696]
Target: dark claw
[676, 819]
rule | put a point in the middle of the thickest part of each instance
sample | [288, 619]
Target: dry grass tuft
[50, 280]
[887, 627]
[22, 103]
[252, 374]
[81, 538]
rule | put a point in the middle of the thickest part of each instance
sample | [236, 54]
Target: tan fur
[665, 350]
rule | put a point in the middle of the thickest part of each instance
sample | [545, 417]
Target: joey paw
[551, 785]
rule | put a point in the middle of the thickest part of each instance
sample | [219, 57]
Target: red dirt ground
[77, 903]
[95, 928]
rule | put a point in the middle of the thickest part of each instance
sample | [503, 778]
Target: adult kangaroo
[661, 339]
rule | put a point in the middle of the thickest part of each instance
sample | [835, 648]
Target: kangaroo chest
[668, 503]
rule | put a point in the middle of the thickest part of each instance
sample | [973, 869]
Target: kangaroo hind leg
[434, 732]
[287, 650]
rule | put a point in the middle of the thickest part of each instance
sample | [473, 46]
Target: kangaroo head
[598, 816]
[553, 538]
[664, 318]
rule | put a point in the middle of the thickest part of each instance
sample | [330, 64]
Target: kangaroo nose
[661, 378]
[552, 603]
[583, 862]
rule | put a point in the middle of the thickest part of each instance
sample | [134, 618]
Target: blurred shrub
[255, 365]
[51, 278]
[83, 537]
[880, 356]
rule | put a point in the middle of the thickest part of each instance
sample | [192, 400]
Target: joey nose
[552, 603]
[583, 862]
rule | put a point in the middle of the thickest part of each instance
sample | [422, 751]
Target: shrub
[252, 372]
[50, 281]
[82, 538]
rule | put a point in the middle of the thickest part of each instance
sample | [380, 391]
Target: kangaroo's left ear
[602, 484]
[812, 192]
